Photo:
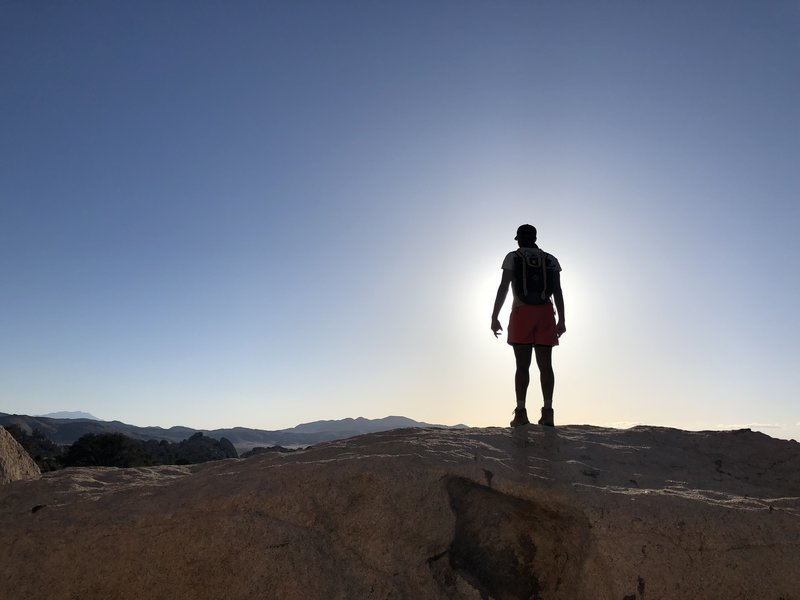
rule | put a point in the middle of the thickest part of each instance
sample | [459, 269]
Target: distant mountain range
[67, 414]
[66, 431]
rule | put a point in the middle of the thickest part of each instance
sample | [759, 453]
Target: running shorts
[533, 324]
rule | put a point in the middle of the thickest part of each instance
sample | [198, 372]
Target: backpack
[530, 281]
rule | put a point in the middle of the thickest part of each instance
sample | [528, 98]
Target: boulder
[573, 513]
[200, 448]
[228, 448]
[15, 462]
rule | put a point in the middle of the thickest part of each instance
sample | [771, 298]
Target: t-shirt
[550, 261]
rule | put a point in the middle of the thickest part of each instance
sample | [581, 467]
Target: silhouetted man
[535, 278]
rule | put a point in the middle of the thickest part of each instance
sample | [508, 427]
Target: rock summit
[574, 513]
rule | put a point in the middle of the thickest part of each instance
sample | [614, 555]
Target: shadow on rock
[508, 548]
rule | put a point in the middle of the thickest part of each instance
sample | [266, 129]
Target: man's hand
[561, 329]
[496, 327]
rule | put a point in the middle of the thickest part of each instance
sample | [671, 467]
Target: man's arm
[558, 300]
[502, 292]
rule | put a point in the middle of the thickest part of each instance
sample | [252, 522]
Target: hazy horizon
[386, 417]
[264, 213]
[61, 415]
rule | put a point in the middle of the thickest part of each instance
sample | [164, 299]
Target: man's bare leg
[544, 360]
[522, 377]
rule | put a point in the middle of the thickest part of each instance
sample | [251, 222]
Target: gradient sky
[264, 213]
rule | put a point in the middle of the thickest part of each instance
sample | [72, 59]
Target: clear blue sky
[264, 213]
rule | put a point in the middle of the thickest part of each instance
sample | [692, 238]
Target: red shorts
[533, 324]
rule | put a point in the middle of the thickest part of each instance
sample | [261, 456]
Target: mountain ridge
[66, 431]
[70, 414]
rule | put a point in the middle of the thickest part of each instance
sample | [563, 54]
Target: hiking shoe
[520, 417]
[547, 418]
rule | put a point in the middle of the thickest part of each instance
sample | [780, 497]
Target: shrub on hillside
[106, 450]
[118, 450]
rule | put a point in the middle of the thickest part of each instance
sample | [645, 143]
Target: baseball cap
[525, 232]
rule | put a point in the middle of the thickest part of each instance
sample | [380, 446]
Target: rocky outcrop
[199, 448]
[572, 513]
[15, 463]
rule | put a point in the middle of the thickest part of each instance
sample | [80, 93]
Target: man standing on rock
[535, 278]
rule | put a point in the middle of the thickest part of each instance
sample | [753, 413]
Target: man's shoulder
[551, 262]
[508, 261]
[511, 254]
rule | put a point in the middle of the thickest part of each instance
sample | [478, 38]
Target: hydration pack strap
[544, 274]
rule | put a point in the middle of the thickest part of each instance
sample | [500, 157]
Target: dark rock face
[228, 448]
